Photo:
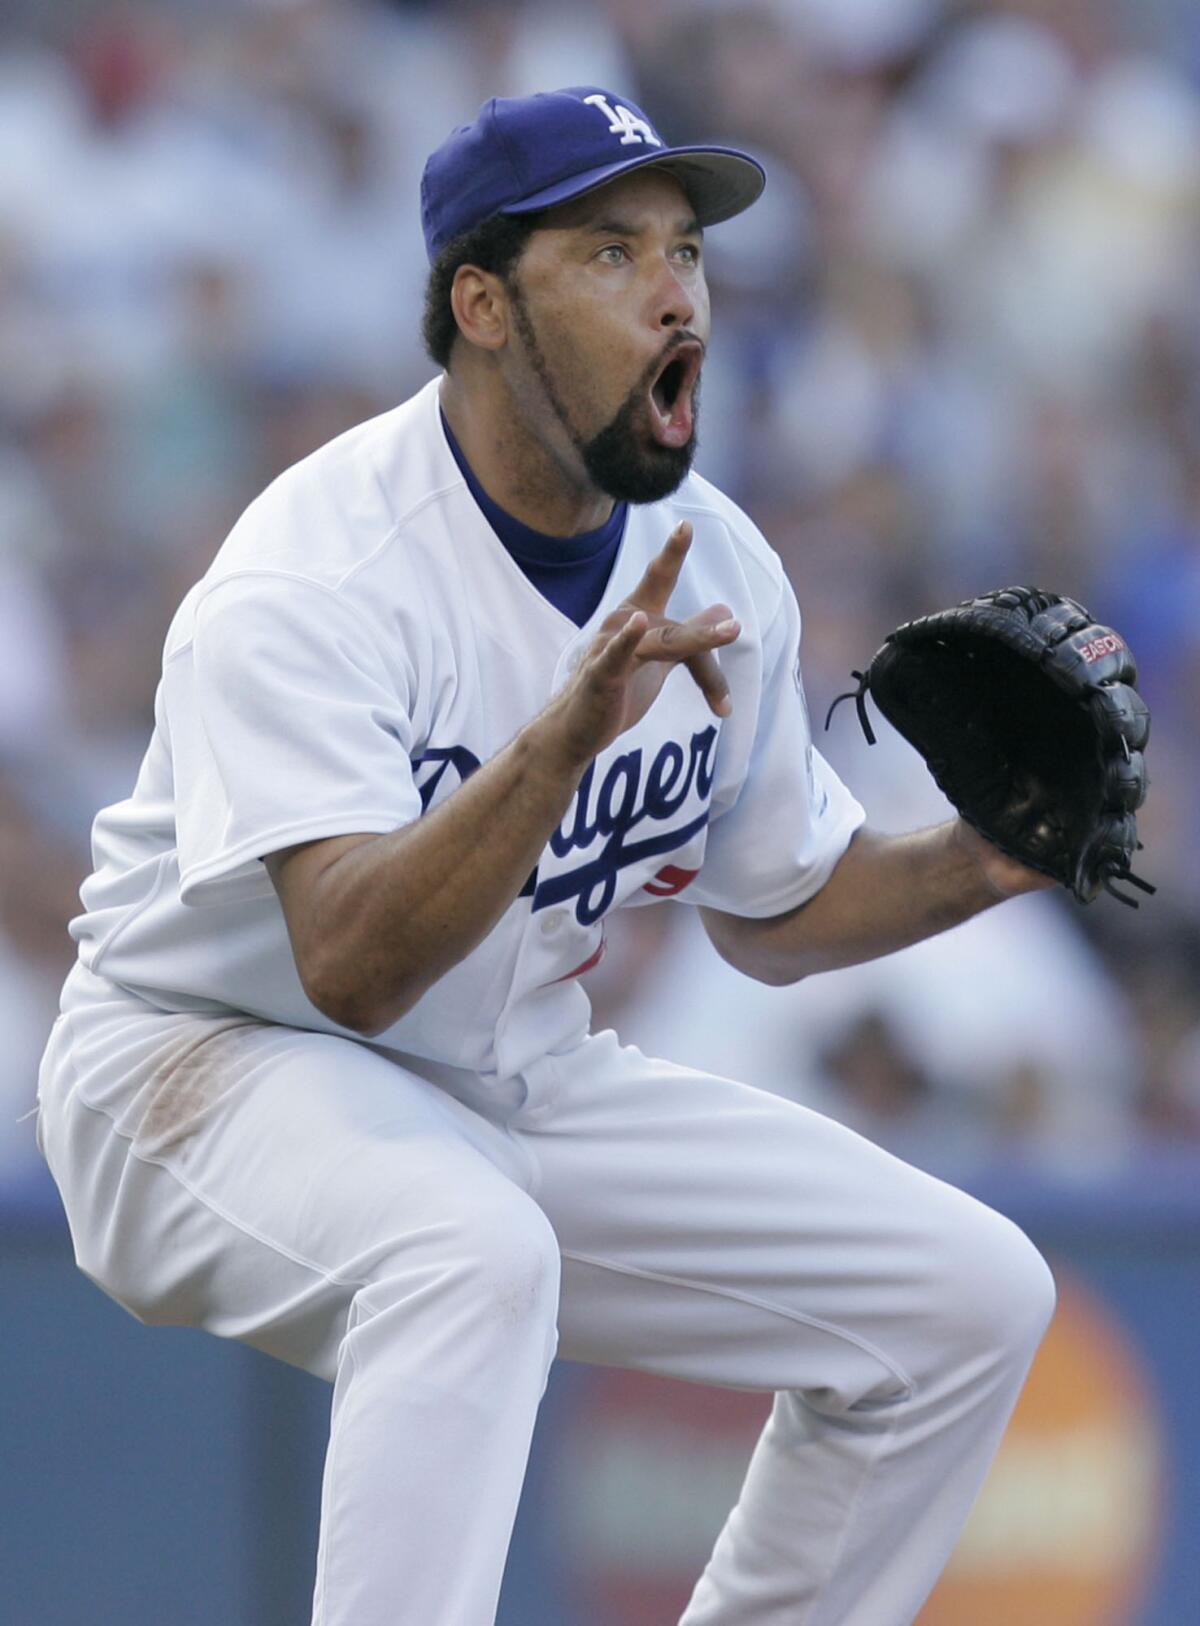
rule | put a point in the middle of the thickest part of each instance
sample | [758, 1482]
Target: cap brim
[719, 181]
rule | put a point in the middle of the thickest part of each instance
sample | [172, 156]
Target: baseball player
[456, 687]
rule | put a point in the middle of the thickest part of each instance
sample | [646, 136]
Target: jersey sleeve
[285, 725]
[793, 819]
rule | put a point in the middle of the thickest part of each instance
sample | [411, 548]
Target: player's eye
[613, 253]
[689, 252]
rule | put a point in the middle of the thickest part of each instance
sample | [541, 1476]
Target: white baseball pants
[428, 1251]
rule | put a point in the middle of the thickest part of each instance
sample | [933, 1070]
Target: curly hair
[494, 246]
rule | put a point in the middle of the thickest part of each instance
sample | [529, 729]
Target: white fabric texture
[424, 1243]
[284, 725]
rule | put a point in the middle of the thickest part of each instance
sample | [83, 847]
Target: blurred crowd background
[956, 345]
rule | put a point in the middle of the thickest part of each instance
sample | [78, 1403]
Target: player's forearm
[885, 893]
[393, 913]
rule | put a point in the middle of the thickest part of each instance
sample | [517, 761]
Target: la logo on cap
[624, 122]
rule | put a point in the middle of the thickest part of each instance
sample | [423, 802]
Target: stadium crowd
[956, 345]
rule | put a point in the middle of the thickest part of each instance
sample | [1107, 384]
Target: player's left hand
[1024, 709]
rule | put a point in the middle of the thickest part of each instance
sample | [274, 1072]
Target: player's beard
[621, 460]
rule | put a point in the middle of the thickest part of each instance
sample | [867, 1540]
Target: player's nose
[674, 303]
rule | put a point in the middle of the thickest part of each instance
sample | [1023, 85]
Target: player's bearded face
[622, 458]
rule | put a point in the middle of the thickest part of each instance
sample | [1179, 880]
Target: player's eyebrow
[613, 226]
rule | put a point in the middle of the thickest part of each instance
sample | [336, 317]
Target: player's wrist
[552, 749]
[998, 876]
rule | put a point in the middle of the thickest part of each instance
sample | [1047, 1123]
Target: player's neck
[519, 471]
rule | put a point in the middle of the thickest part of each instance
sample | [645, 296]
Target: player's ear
[479, 301]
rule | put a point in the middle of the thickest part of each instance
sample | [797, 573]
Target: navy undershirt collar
[571, 571]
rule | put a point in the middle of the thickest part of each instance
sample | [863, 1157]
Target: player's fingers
[658, 582]
[622, 642]
[710, 617]
[709, 678]
[711, 682]
[680, 641]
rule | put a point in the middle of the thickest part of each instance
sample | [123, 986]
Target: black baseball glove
[1025, 712]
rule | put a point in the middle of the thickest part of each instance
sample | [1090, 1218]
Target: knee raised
[999, 1294]
[512, 1262]
[496, 1262]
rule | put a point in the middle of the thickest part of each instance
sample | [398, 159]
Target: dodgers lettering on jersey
[595, 835]
[360, 645]
[596, 839]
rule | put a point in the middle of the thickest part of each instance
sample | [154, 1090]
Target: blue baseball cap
[526, 153]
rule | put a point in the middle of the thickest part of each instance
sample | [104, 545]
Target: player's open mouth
[671, 395]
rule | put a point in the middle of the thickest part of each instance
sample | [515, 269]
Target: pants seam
[769, 1305]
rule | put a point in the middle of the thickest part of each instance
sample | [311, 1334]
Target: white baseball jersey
[361, 643]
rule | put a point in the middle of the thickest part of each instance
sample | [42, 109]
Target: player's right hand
[637, 646]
